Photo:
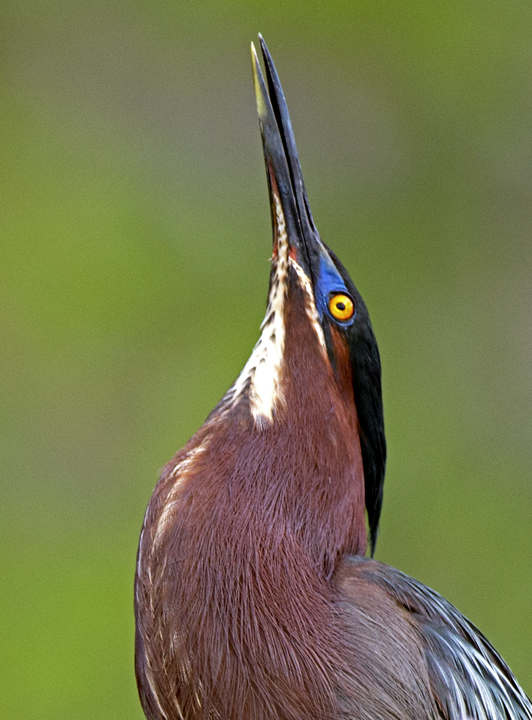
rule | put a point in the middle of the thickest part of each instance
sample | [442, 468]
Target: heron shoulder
[467, 678]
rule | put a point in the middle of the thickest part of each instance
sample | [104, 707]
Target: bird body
[254, 600]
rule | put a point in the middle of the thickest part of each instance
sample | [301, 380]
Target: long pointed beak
[288, 199]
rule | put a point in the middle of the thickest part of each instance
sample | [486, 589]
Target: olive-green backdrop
[134, 244]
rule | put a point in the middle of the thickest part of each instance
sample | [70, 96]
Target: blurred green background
[134, 238]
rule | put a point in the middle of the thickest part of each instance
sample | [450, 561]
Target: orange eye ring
[341, 307]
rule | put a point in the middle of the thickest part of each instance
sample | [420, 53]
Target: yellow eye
[341, 307]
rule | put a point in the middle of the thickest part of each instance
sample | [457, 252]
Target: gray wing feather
[469, 679]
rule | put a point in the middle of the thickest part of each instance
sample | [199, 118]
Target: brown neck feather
[240, 604]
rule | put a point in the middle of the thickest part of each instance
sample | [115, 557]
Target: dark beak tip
[282, 160]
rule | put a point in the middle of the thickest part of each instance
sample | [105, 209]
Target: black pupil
[340, 305]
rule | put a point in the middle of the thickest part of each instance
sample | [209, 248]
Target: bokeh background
[134, 244]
